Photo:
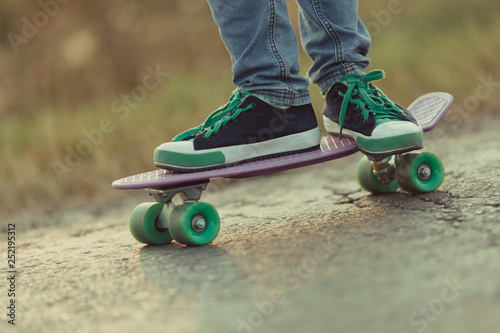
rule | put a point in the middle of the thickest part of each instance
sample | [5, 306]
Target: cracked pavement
[302, 250]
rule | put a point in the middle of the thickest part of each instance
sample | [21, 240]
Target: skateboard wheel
[369, 182]
[143, 224]
[419, 172]
[194, 223]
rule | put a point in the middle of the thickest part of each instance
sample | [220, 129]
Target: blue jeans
[264, 47]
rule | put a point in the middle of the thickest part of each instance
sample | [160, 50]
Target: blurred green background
[79, 106]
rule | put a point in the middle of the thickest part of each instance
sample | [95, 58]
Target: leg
[335, 38]
[338, 42]
[263, 48]
[270, 114]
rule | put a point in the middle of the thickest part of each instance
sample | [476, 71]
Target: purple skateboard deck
[428, 109]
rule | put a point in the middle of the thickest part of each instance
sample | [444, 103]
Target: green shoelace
[367, 99]
[219, 118]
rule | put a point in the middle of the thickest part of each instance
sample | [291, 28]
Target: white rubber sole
[334, 128]
[239, 153]
[387, 138]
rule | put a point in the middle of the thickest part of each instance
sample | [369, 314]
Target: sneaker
[380, 127]
[245, 129]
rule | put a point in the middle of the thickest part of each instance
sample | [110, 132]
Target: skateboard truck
[190, 193]
[384, 169]
[201, 218]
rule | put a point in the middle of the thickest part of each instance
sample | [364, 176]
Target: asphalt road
[298, 251]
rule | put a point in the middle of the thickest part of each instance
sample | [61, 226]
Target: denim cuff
[338, 73]
[284, 98]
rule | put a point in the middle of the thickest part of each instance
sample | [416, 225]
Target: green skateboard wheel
[143, 224]
[194, 223]
[419, 172]
[369, 181]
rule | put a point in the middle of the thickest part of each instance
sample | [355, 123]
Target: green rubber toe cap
[390, 144]
[188, 160]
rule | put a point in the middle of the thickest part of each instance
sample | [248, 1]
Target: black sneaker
[379, 126]
[245, 129]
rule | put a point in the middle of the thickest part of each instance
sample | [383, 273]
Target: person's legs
[263, 48]
[270, 113]
[335, 38]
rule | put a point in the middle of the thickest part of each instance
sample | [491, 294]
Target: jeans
[264, 47]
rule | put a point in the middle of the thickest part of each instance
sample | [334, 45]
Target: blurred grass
[66, 79]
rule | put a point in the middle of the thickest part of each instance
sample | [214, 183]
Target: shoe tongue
[337, 87]
[256, 99]
[341, 86]
[247, 100]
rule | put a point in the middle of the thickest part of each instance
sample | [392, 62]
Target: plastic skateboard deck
[197, 223]
[427, 109]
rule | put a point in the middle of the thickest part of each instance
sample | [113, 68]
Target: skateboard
[197, 223]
